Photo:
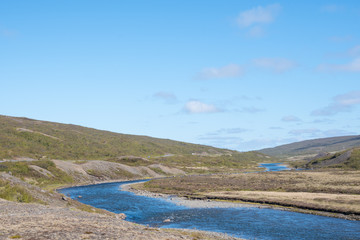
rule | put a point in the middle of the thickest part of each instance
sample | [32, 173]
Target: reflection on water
[245, 222]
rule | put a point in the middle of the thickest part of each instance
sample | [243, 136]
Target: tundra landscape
[327, 184]
[156, 119]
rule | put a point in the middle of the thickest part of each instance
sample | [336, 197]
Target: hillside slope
[23, 137]
[346, 160]
[27, 139]
[314, 146]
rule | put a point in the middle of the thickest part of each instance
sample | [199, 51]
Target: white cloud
[229, 71]
[291, 118]
[340, 103]
[8, 33]
[218, 140]
[227, 131]
[257, 144]
[341, 38]
[316, 133]
[256, 31]
[348, 99]
[331, 8]
[252, 110]
[200, 107]
[222, 142]
[225, 137]
[353, 66]
[323, 121]
[355, 51]
[166, 96]
[311, 131]
[277, 65]
[336, 133]
[258, 15]
[233, 130]
[276, 128]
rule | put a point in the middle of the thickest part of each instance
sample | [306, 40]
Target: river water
[244, 222]
[273, 167]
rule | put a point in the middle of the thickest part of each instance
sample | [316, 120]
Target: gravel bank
[35, 221]
[186, 202]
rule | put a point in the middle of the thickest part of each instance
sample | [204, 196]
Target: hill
[23, 137]
[28, 139]
[346, 160]
[314, 146]
[37, 157]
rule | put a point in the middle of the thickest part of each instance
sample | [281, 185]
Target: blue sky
[242, 75]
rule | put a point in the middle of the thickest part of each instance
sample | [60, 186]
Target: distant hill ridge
[314, 146]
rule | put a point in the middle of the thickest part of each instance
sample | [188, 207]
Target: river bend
[244, 222]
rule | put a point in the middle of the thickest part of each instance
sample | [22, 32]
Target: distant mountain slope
[23, 137]
[314, 146]
[349, 159]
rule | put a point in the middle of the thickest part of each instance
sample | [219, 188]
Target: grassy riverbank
[328, 191]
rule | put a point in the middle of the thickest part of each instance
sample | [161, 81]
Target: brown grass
[332, 191]
[338, 203]
[343, 182]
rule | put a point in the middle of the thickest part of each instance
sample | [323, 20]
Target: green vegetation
[15, 236]
[24, 171]
[349, 159]
[34, 143]
[14, 193]
[22, 137]
[94, 173]
[235, 162]
[354, 160]
[314, 146]
[40, 140]
[132, 161]
[118, 173]
[159, 171]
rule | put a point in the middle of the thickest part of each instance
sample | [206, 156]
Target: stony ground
[35, 221]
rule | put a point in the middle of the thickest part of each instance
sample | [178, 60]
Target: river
[245, 222]
[273, 167]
